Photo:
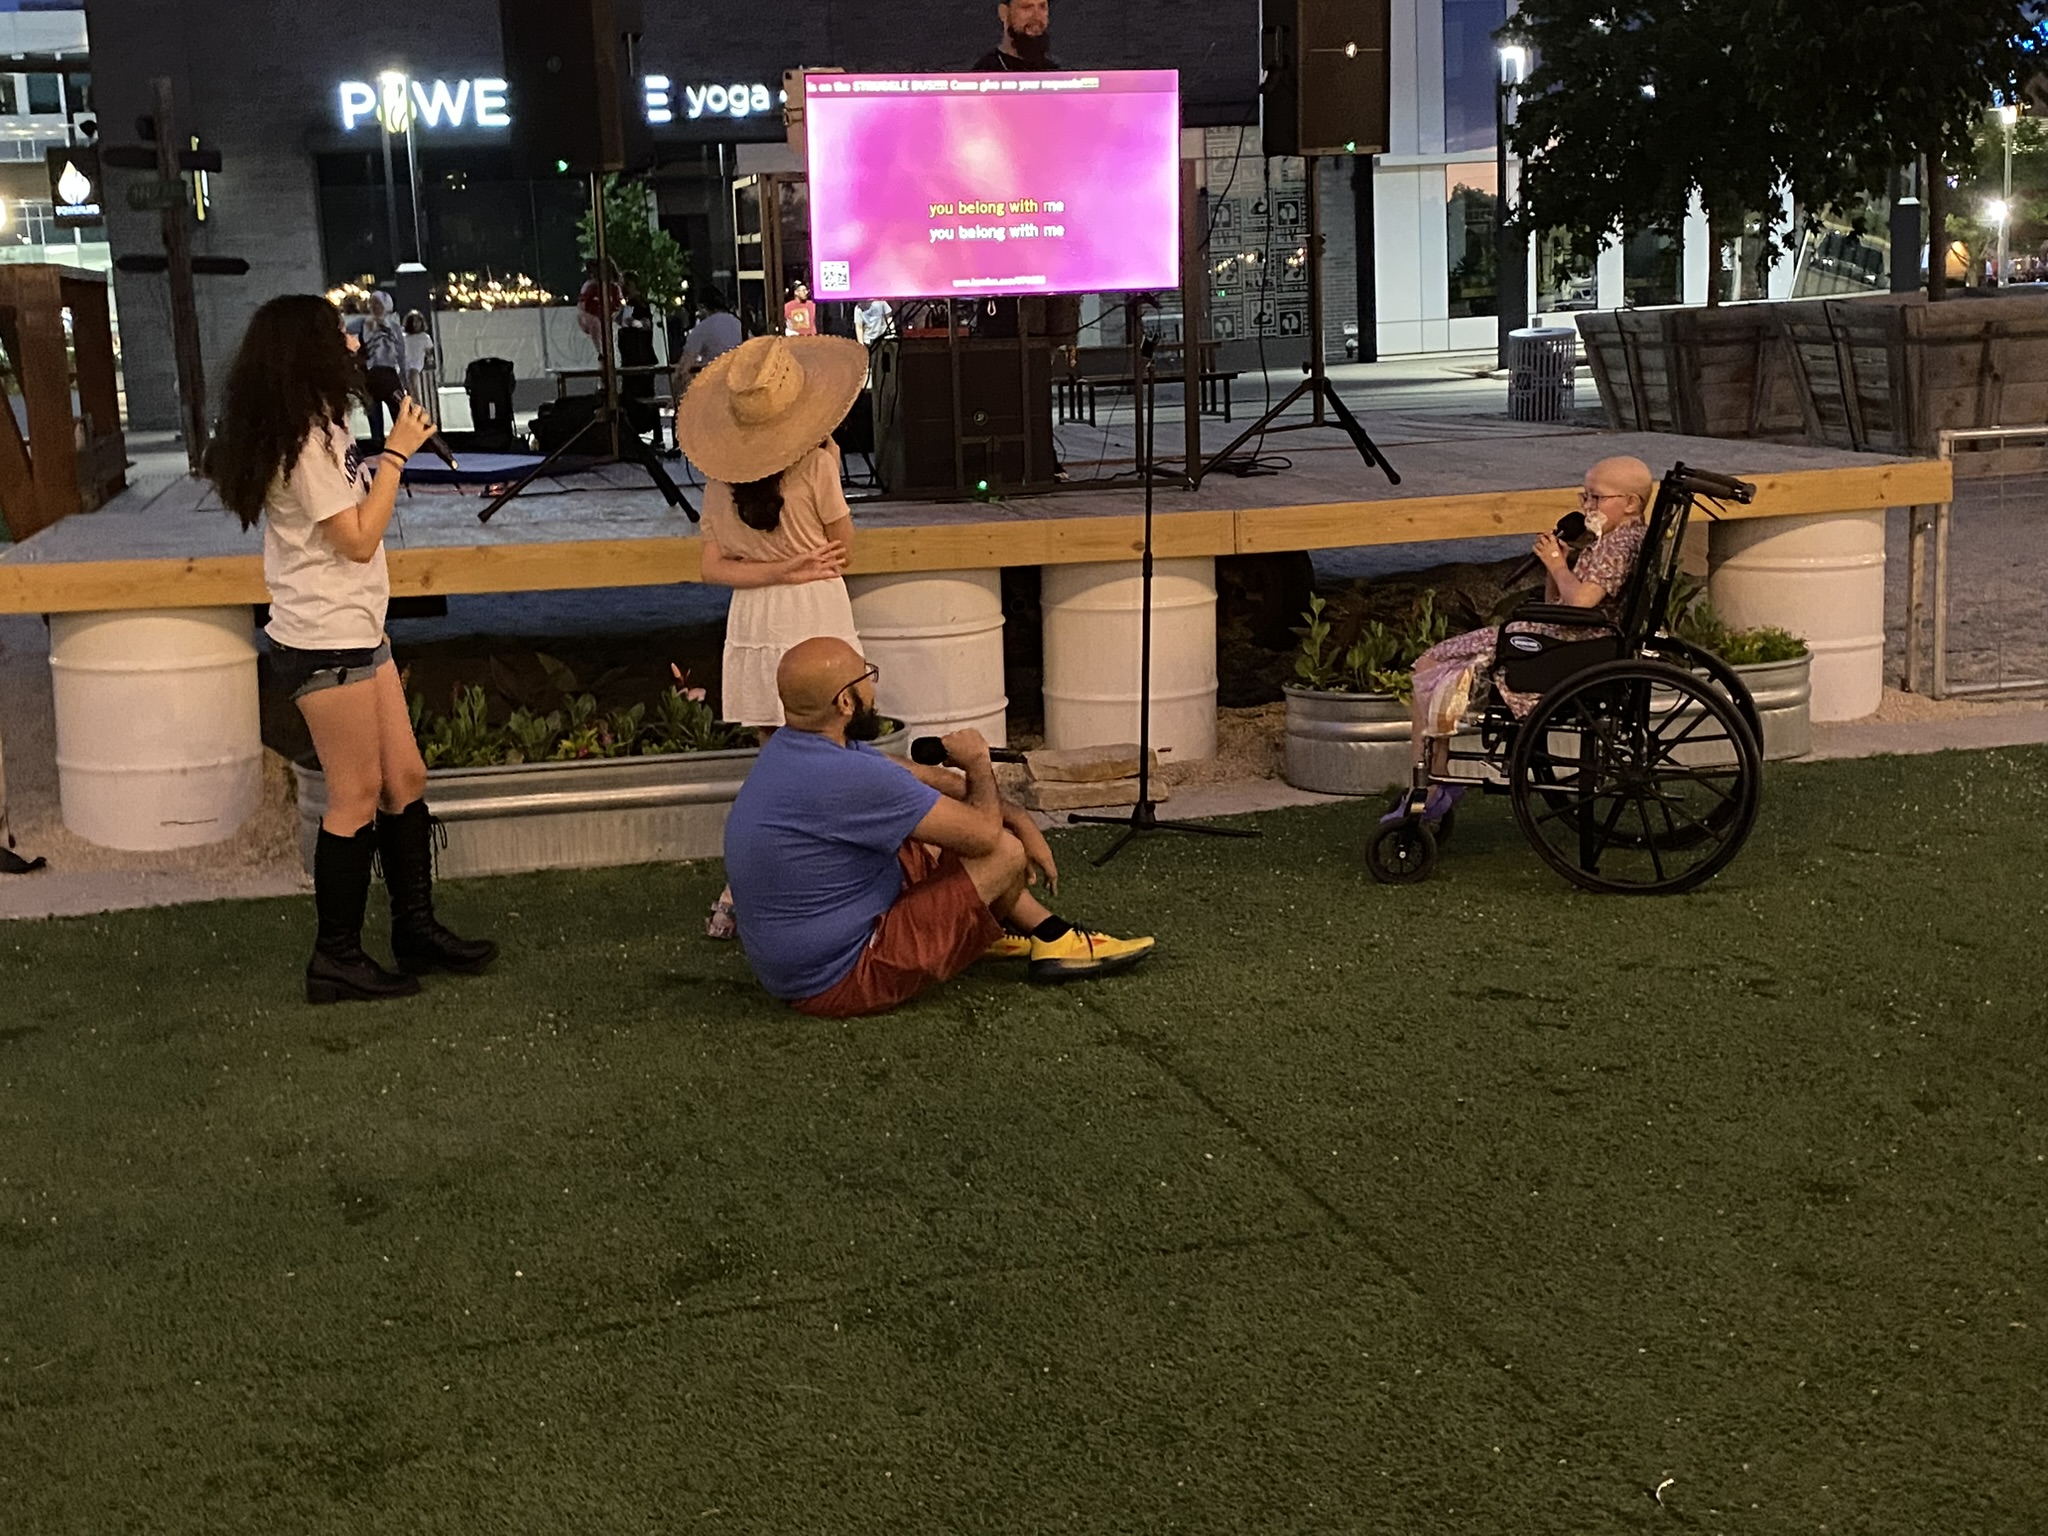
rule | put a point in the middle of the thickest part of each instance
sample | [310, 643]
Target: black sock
[1053, 928]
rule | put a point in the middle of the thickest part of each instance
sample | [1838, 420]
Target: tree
[635, 243]
[1858, 90]
[1632, 111]
[1634, 107]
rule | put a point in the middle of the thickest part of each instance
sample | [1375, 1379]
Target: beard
[866, 724]
[1032, 47]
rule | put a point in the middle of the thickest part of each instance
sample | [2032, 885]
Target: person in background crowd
[383, 355]
[863, 880]
[800, 315]
[422, 365]
[1027, 39]
[871, 321]
[636, 350]
[716, 333]
[777, 529]
[282, 456]
[597, 305]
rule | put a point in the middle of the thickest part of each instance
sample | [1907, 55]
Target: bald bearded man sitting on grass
[860, 881]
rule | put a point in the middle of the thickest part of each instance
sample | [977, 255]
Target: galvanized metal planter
[1783, 691]
[1345, 743]
[578, 815]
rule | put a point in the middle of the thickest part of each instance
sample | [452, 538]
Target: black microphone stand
[1144, 815]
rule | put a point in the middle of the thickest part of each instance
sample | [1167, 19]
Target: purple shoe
[1442, 800]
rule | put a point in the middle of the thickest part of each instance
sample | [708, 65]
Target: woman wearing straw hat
[758, 422]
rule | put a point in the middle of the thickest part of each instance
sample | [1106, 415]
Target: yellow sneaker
[1011, 946]
[1082, 956]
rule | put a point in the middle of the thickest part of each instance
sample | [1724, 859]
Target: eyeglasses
[872, 675]
[1594, 498]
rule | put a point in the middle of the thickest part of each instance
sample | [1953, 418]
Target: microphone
[930, 752]
[391, 393]
[1570, 529]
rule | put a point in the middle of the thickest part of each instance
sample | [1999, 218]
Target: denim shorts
[303, 672]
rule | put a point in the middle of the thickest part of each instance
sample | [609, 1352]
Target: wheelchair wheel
[1401, 853]
[1636, 776]
[1681, 653]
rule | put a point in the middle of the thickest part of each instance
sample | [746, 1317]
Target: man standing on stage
[1027, 39]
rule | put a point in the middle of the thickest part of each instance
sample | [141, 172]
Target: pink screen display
[928, 186]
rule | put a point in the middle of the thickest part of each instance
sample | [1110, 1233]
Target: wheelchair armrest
[1561, 613]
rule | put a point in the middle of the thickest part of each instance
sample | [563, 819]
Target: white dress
[766, 621]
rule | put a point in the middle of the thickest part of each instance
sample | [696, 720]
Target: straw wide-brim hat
[767, 403]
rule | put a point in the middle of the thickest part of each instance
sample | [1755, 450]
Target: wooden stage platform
[178, 548]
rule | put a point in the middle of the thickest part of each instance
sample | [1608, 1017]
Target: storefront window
[480, 218]
[1471, 72]
[1471, 262]
[1564, 274]
[1652, 269]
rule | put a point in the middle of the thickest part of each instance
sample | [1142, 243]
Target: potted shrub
[570, 788]
[1773, 664]
[1348, 707]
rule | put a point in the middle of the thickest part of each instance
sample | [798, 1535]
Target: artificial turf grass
[1479, 1205]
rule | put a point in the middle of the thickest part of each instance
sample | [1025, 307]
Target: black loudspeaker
[1005, 426]
[1326, 76]
[562, 71]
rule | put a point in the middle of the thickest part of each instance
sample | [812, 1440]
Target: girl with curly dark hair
[283, 456]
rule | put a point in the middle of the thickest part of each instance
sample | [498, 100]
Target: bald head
[813, 674]
[1623, 475]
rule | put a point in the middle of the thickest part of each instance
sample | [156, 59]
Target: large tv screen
[929, 186]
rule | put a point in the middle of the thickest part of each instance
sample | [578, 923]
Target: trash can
[488, 383]
[1540, 372]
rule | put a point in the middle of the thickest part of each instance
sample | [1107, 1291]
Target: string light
[469, 290]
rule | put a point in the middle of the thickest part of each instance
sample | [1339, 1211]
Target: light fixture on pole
[2010, 116]
[1511, 259]
[394, 115]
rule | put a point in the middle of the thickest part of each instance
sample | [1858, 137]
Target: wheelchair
[1638, 770]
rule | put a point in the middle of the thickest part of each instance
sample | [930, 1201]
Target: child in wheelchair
[1615, 499]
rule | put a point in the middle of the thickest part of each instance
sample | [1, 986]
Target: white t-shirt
[419, 351]
[320, 600]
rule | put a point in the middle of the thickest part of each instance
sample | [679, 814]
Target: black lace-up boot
[421, 944]
[339, 971]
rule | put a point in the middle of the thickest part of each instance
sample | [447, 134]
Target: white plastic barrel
[937, 637]
[158, 741]
[1091, 655]
[1822, 578]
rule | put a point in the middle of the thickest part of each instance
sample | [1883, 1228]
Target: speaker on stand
[1325, 94]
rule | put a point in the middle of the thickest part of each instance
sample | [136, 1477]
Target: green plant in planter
[533, 736]
[1690, 616]
[464, 737]
[683, 722]
[1374, 659]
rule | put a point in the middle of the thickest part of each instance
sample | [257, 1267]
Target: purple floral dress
[1452, 672]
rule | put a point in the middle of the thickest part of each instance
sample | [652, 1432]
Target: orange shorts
[938, 927]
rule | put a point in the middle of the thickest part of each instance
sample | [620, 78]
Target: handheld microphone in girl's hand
[391, 393]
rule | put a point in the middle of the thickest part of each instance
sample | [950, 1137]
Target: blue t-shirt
[810, 849]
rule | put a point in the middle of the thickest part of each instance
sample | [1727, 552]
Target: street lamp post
[2010, 116]
[394, 113]
[1511, 256]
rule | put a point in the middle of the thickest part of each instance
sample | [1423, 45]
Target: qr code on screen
[835, 276]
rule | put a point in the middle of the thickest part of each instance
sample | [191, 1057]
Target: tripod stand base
[620, 445]
[1144, 817]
